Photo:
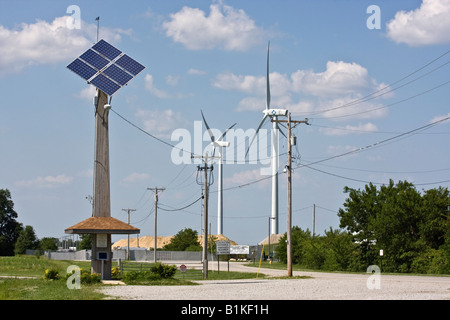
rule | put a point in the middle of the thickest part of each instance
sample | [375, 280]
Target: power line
[374, 95]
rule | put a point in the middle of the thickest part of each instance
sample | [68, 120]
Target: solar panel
[106, 67]
[106, 49]
[94, 59]
[82, 69]
[105, 84]
[130, 65]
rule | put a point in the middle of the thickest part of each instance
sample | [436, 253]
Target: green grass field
[22, 278]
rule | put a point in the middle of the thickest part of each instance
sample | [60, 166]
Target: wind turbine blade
[268, 81]
[224, 134]
[279, 129]
[254, 136]
[207, 127]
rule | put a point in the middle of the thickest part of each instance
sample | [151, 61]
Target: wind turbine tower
[219, 143]
[273, 114]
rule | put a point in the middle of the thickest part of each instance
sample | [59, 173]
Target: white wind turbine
[273, 114]
[220, 144]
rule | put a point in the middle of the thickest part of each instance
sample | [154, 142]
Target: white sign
[239, 249]
[102, 240]
[222, 247]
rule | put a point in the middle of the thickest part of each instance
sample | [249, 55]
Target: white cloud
[46, 182]
[248, 176]
[161, 123]
[196, 72]
[45, 42]
[224, 27]
[427, 25]
[150, 86]
[439, 118]
[339, 78]
[340, 84]
[349, 129]
[134, 177]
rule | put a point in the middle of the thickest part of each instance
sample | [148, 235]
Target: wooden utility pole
[205, 168]
[101, 201]
[155, 190]
[128, 246]
[291, 141]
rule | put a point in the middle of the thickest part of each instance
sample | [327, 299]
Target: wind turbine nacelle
[224, 144]
[275, 112]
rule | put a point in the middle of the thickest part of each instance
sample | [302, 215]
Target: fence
[189, 274]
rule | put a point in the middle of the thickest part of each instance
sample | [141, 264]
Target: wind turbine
[220, 144]
[272, 114]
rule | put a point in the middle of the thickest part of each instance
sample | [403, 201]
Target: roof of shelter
[102, 225]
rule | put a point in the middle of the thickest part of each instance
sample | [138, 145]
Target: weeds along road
[319, 286]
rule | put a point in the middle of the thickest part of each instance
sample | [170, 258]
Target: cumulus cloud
[46, 182]
[427, 25]
[150, 86]
[340, 84]
[45, 42]
[348, 129]
[134, 177]
[225, 28]
[161, 123]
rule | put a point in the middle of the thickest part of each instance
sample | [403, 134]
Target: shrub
[51, 274]
[115, 273]
[165, 271]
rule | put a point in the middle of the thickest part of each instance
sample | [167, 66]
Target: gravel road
[321, 286]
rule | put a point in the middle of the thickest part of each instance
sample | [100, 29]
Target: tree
[397, 218]
[184, 240]
[9, 227]
[86, 242]
[48, 244]
[27, 240]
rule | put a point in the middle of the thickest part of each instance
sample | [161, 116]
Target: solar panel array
[106, 67]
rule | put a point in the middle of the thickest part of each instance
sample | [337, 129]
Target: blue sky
[211, 56]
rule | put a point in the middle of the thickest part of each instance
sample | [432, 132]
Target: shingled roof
[102, 225]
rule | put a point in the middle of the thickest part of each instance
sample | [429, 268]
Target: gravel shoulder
[320, 286]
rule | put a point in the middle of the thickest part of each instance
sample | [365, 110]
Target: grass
[21, 278]
[34, 286]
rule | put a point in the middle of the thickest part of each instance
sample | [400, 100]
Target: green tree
[27, 240]
[9, 227]
[48, 244]
[86, 242]
[409, 227]
[184, 240]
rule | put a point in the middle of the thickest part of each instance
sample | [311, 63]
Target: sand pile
[148, 242]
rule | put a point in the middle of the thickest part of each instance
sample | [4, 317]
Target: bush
[115, 273]
[165, 271]
[51, 274]
[140, 276]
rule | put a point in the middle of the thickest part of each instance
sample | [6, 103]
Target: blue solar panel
[82, 69]
[106, 67]
[130, 64]
[106, 49]
[106, 85]
[120, 76]
[94, 59]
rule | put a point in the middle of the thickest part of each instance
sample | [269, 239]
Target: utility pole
[128, 247]
[155, 190]
[291, 141]
[314, 220]
[206, 183]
